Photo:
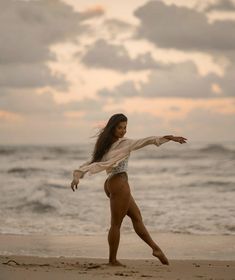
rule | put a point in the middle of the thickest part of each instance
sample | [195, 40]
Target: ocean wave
[215, 148]
[66, 151]
[38, 207]
[7, 151]
[24, 171]
[56, 186]
[218, 183]
[213, 183]
[58, 150]
[39, 201]
[230, 228]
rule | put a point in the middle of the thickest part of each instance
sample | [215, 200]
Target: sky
[67, 66]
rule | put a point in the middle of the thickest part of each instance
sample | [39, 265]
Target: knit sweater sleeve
[82, 170]
[135, 144]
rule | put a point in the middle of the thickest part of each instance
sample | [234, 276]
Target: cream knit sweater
[119, 151]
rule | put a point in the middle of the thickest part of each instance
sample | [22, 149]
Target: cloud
[171, 26]
[30, 104]
[26, 117]
[30, 76]
[204, 125]
[143, 124]
[39, 119]
[125, 89]
[117, 28]
[102, 54]
[221, 5]
[28, 29]
[92, 11]
[116, 25]
[33, 26]
[180, 80]
[9, 117]
[200, 124]
[227, 82]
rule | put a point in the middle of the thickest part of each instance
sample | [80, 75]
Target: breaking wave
[215, 148]
[24, 171]
[39, 201]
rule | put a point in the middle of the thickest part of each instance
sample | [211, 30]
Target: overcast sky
[67, 66]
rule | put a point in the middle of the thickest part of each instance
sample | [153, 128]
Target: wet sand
[85, 257]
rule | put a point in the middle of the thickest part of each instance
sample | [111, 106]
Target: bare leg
[119, 191]
[136, 218]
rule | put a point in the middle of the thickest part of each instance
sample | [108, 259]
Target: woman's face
[120, 130]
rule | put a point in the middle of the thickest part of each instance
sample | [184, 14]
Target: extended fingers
[72, 183]
[182, 140]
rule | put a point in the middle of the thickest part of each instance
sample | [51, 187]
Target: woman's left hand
[179, 139]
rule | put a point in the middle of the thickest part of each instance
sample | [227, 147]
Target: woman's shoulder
[116, 146]
[122, 142]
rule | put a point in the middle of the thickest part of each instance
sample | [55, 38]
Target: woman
[111, 153]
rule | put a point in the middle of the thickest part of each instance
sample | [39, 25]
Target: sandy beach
[19, 267]
[85, 257]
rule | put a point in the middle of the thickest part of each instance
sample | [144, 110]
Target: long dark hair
[105, 137]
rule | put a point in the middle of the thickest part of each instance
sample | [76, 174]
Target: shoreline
[174, 245]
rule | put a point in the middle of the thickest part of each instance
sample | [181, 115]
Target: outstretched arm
[135, 144]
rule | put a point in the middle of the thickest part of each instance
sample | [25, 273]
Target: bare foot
[159, 254]
[116, 263]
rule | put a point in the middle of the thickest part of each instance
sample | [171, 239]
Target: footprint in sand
[122, 274]
[91, 265]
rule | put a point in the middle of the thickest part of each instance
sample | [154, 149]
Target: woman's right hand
[74, 184]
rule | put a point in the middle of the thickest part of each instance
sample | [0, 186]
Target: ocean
[188, 188]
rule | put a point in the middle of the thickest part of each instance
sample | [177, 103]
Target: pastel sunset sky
[67, 66]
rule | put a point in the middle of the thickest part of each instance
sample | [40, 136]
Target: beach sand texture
[28, 267]
[85, 257]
